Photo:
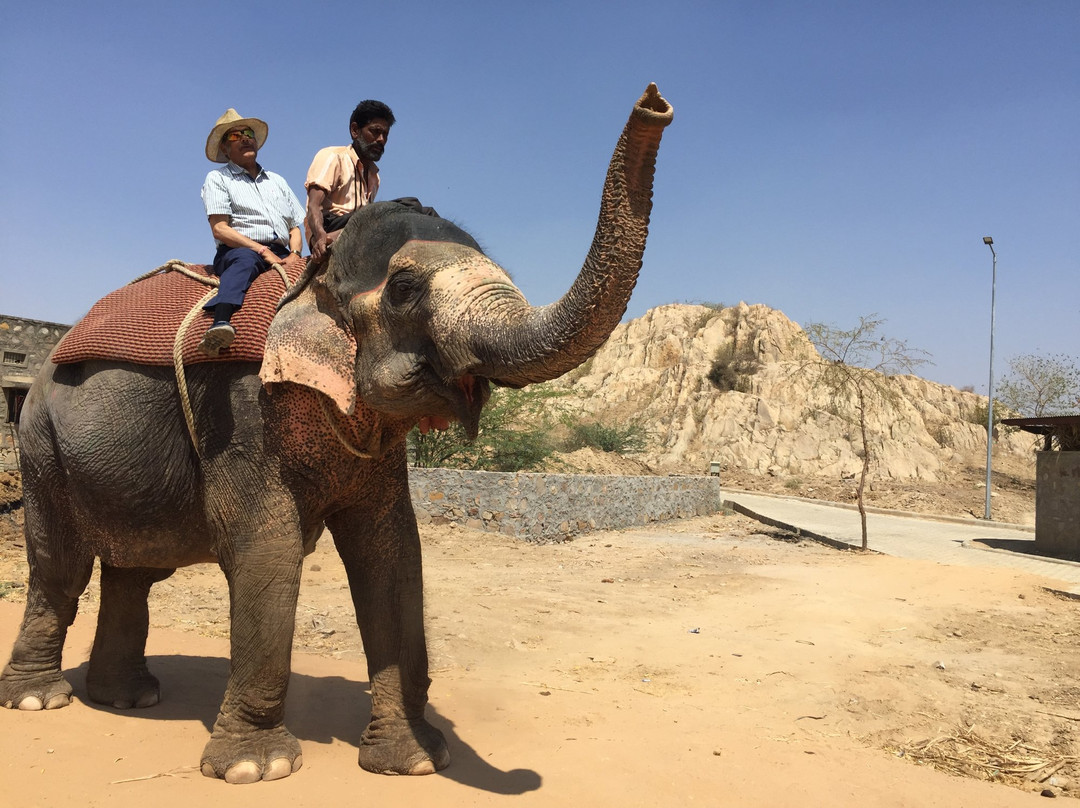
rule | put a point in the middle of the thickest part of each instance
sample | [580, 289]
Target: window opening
[15, 399]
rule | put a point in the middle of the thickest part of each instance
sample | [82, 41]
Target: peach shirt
[340, 173]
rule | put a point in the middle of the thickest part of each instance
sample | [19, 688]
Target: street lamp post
[989, 242]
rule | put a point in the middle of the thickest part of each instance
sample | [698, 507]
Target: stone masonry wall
[554, 507]
[24, 347]
[1057, 504]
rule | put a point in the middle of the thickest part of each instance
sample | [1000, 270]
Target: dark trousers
[238, 267]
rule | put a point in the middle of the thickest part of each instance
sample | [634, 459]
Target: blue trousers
[238, 267]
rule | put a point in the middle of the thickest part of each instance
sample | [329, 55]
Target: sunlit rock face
[777, 417]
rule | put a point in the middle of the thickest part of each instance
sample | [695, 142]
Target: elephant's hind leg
[32, 679]
[118, 675]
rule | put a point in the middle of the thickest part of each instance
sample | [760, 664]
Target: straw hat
[231, 120]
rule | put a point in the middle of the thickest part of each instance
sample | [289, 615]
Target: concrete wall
[1057, 504]
[554, 507]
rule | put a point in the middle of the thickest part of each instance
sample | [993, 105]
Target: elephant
[407, 322]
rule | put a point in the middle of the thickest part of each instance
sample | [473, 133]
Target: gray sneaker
[217, 338]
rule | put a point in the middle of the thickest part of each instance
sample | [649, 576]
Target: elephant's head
[411, 318]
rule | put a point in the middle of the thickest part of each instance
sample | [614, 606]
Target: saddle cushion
[138, 322]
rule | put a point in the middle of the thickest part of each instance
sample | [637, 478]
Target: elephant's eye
[402, 288]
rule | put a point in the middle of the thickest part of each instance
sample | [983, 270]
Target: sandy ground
[705, 662]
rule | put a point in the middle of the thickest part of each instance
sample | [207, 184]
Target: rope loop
[176, 265]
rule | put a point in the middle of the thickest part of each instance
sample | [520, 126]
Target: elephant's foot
[34, 691]
[140, 688]
[400, 746]
[258, 754]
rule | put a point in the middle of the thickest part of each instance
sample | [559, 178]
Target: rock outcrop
[777, 417]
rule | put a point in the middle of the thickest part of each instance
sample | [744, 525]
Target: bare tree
[857, 363]
[1040, 386]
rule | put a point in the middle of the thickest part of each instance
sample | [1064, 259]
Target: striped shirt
[264, 209]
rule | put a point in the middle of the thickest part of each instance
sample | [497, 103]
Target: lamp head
[987, 240]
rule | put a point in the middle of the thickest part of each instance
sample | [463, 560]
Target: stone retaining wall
[554, 507]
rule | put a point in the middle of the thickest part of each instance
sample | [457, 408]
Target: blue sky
[828, 159]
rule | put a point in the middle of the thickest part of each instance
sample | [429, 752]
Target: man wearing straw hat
[254, 215]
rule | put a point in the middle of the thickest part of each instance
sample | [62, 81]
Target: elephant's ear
[308, 344]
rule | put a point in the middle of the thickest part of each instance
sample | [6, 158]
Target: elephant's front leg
[382, 559]
[249, 741]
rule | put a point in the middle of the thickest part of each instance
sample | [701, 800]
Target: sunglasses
[232, 137]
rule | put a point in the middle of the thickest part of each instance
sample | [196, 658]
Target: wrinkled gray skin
[109, 470]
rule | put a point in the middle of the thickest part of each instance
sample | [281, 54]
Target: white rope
[176, 265]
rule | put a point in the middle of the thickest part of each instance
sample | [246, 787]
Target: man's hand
[320, 247]
[318, 244]
[316, 235]
[292, 261]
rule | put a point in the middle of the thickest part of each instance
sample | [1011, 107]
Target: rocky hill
[777, 423]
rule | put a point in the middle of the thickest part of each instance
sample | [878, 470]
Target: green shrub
[732, 368]
[977, 415]
[439, 449]
[519, 449]
[620, 438]
[940, 433]
[514, 435]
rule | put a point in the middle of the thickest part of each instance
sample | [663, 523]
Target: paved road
[898, 533]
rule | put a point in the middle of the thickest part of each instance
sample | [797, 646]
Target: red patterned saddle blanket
[138, 322]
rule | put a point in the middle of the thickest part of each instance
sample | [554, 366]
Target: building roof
[1046, 425]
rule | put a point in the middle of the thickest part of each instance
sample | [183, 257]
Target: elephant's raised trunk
[536, 344]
